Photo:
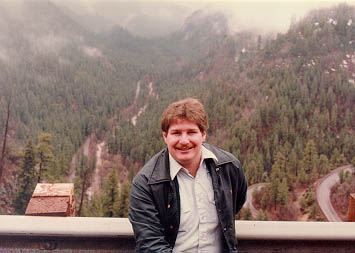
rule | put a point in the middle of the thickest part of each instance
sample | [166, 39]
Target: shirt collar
[175, 167]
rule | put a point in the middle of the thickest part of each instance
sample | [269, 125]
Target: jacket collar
[175, 167]
[222, 156]
[161, 170]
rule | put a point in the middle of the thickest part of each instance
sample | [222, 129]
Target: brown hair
[190, 109]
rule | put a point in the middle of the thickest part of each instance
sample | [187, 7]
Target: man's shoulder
[147, 170]
[222, 155]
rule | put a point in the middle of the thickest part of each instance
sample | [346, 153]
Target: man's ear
[204, 134]
[165, 134]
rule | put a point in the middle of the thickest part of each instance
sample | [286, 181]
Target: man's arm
[144, 217]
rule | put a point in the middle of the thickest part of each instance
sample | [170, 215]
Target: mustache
[187, 146]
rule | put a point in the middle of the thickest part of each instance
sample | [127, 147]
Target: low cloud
[49, 43]
[92, 51]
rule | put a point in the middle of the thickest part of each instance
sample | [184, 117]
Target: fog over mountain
[157, 18]
[75, 75]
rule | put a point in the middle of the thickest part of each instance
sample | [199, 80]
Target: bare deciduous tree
[2, 158]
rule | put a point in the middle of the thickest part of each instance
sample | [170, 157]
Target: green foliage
[278, 106]
[307, 201]
[341, 191]
[27, 178]
[310, 158]
[262, 216]
[341, 176]
[338, 159]
[131, 174]
[245, 214]
[47, 166]
[324, 164]
[110, 197]
[278, 185]
[264, 201]
[83, 174]
[121, 206]
[95, 207]
[282, 196]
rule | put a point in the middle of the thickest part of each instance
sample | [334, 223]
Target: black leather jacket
[155, 203]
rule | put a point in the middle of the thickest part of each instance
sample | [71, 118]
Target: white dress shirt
[199, 229]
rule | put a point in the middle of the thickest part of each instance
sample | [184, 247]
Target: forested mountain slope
[267, 96]
[282, 104]
[57, 79]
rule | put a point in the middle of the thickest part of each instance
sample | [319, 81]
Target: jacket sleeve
[242, 189]
[144, 217]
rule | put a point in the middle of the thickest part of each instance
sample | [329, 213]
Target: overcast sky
[264, 15]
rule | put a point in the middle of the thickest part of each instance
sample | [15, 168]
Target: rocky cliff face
[204, 25]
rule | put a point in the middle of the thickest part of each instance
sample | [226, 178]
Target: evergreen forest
[282, 103]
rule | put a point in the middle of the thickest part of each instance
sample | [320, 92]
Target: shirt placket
[202, 211]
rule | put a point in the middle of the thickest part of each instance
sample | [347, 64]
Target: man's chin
[182, 159]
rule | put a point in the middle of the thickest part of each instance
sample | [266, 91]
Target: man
[186, 197]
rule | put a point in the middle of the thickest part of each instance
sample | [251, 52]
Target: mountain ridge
[267, 98]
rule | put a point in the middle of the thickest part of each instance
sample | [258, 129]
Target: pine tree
[324, 165]
[341, 160]
[63, 165]
[334, 158]
[334, 117]
[274, 187]
[246, 214]
[122, 205]
[250, 171]
[110, 195]
[95, 207]
[302, 178]
[264, 201]
[131, 173]
[282, 196]
[46, 157]
[267, 156]
[293, 164]
[310, 157]
[259, 166]
[341, 176]
[280, 162]
[81, 180]
[262, 216]
[313, 211]
[27, 179]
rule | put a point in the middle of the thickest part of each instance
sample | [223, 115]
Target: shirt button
[168, 205]
[224, 229]
[171, 226]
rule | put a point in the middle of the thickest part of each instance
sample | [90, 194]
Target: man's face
[184, 140]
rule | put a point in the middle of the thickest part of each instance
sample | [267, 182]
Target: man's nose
[184, 138]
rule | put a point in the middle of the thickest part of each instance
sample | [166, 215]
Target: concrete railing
[80, 234]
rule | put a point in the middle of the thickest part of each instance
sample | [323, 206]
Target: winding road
[85, 149]
[323, 193]
[95, 184]
[249, 201]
